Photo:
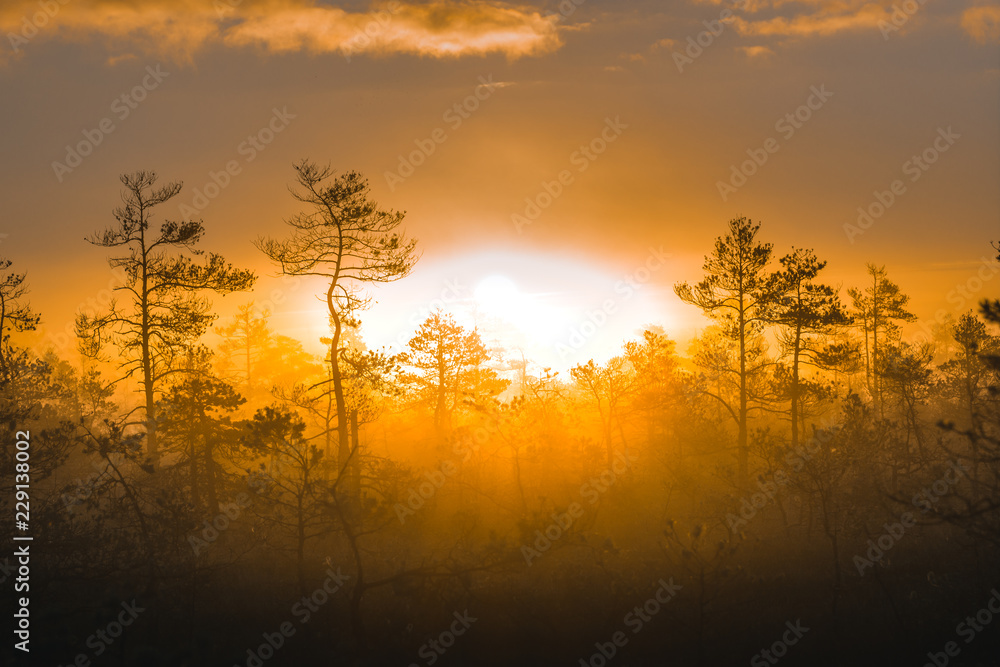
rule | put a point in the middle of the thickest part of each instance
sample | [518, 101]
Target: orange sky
[491, 104]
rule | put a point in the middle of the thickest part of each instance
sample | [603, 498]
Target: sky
[562, 165]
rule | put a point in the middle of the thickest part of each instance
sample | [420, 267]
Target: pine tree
[449, 363]
[163, 311]
[737, 291]
[345, 238]
[15, 315]
[805, 311]
[877, 309]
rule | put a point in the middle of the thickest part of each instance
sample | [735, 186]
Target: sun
[510, 310]
[498, 296]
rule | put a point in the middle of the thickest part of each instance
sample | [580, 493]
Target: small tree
[163, 310]
[196, 418]
[906, 377]
[244, 340]
[978, 507]
[610, 386]
[968, 375]
[877, 308]
[658, 382]
[806, 311]
[449, 362]
[295, 485]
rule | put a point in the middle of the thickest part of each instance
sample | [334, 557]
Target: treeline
[801, 460]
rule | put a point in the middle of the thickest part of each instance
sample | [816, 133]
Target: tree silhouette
[905, 373]
[15, 315]
[877, 308]
[610, 385]
[163, 310]
[658, 383]
[244, 341]
[991, 312]
[968, 375]
[449, 362]
[805, 311]
[294, 484]
[347, 239]
[737, 291]
[195, 417]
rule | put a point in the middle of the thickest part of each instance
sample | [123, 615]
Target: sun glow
[557, 311]
[498, 296]
[507, 312]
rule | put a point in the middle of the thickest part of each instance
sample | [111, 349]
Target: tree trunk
[3, 355]
[441, 407]
[743, 452]
[210, 478]
[300, 542]
[876, 380]
[355, 465]
[249, 380]
[195, 487]
[795, 387]
[343, 437]
[152, 447]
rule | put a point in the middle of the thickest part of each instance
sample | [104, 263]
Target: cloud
[666, 43]
[437, 29]
[823, 18]
[982, 23]
[179, 29]
[756, 52]
[829, 19]
[161, 28]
